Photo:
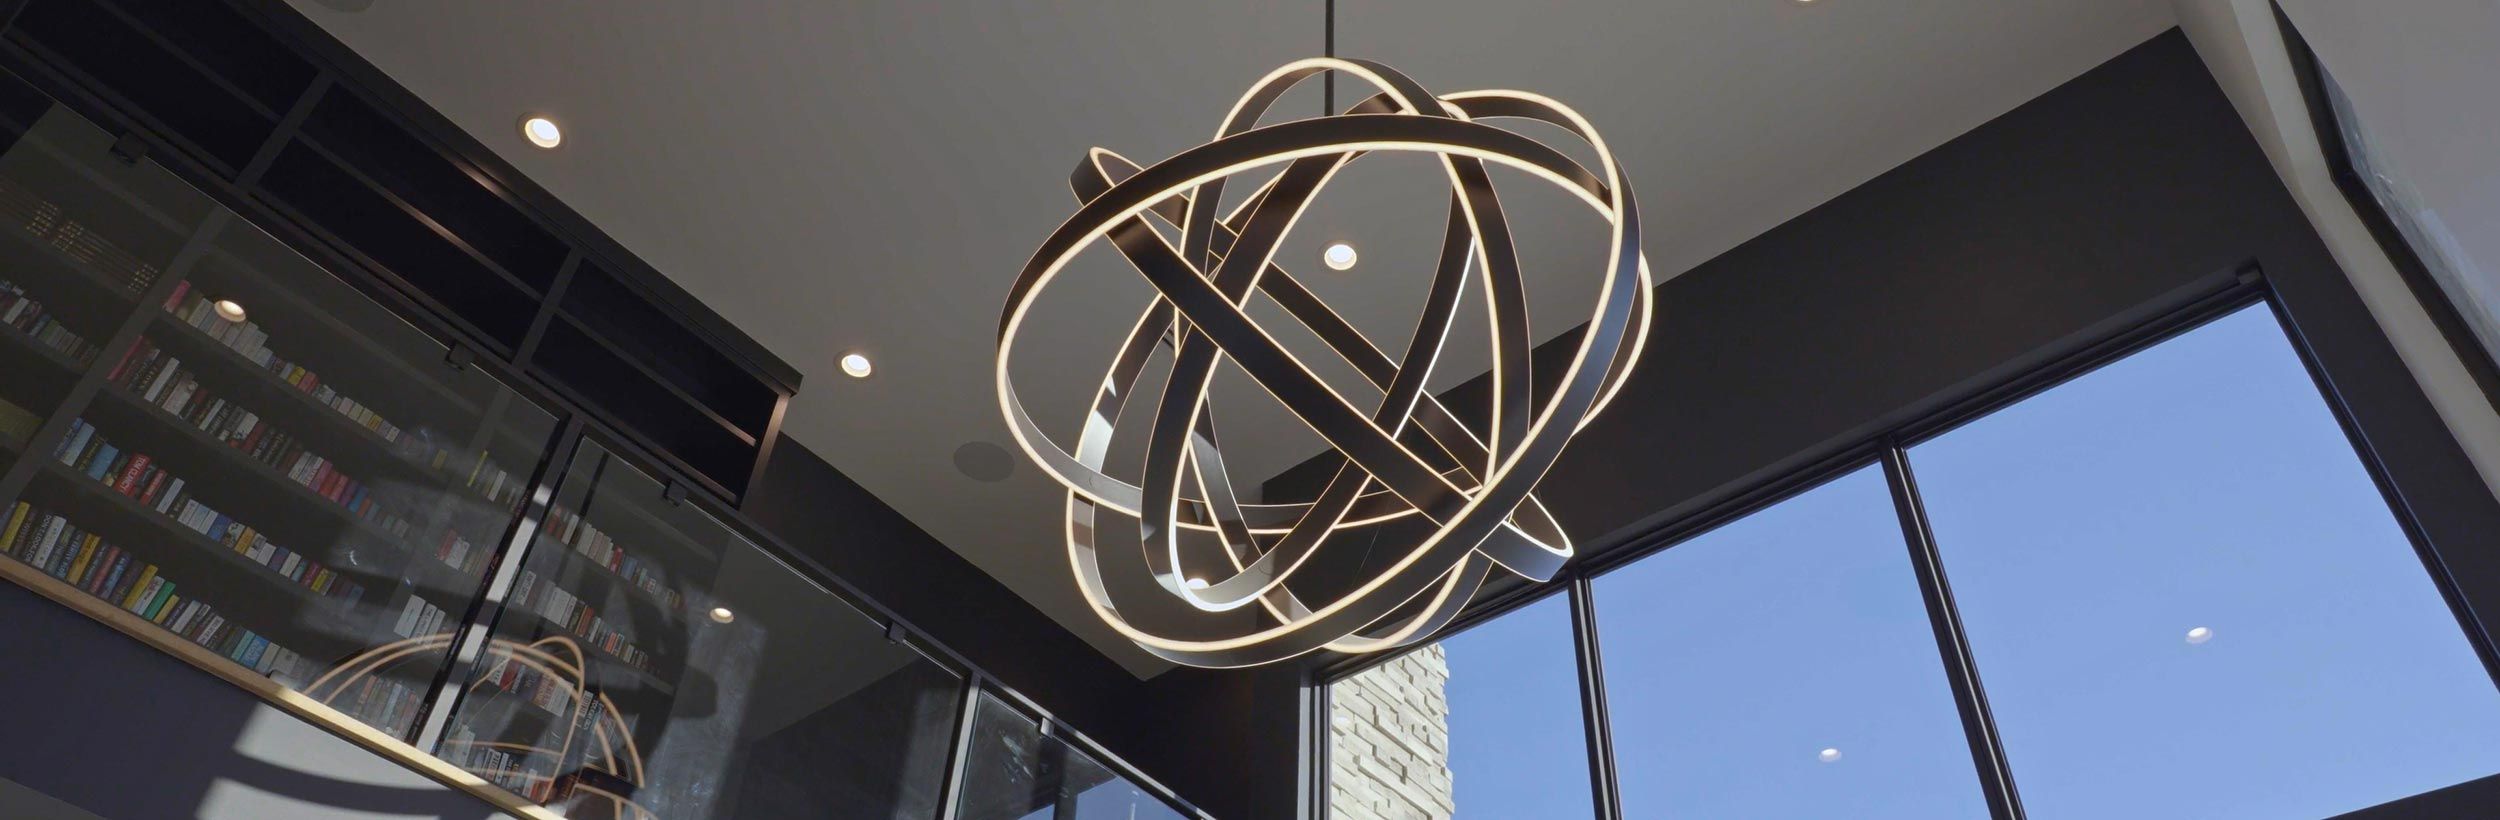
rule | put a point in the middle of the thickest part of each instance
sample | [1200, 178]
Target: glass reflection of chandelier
[596, 767]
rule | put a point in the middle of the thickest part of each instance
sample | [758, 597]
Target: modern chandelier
[1410, 464]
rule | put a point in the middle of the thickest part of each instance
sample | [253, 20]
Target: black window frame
[2243, 287]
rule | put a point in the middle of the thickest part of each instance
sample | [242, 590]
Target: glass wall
[261, 460]
[1016, 771]
[650, 661]
[2180, 591]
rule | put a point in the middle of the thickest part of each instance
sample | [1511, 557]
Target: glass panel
[651, 663]
[300, 482]
[82, 235]
[1013, 772]
[2187, 599]
[1485, 723]
[1783, 666]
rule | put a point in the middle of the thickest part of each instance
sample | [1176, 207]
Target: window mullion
[1606, 801]
[1953, 646]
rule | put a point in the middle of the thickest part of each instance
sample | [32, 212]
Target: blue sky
[2086, 530]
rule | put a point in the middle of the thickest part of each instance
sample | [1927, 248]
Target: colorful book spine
[136, 473]
[108, 572]
[22, 313]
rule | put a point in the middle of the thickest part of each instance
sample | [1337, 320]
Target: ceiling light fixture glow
[1407, 455]
[229, 310]
[2199, 636]
[542, 132]
[722, 615]
[1339, 256]
[857, 365]
[1828, 755]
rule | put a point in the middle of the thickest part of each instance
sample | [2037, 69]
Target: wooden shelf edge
[320, 715]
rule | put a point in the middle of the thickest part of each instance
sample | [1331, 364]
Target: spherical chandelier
[1407, 458]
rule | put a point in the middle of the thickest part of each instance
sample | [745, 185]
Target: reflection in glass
[1783, 666]
[1014, 772]
[1484, 723]
[615, 686]
[2200, 484]
[291, 482]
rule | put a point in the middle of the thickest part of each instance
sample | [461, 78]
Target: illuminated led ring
[1409, 455]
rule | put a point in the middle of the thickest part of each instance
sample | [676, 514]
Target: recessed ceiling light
[1339, 256]
[230, 310]
[542, 132]
[2199, 635]
[1828, 755]
[721, 614]
[857, 365]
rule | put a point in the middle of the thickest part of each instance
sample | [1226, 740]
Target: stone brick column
[1389, 741]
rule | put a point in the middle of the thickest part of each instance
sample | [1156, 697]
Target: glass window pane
[1485, 723]
[1783, 666]
[1013, 772]
[649, 658]
[278, 469]
[2187, 599]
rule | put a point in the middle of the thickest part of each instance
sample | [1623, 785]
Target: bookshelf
[349, 553]
[291, 489]
[312, 497]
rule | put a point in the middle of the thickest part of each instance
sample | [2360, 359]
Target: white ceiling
[869, 175]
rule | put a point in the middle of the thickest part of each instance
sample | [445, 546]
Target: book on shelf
[527, 775]
[552, 694]
[382, 702]
[458, 552]
[418, 618]
[571, 615]
[17, 424]
[54, 545]
[159, 378]
[248, 340]
[20, 311]
[587, 540]
[135, 476]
